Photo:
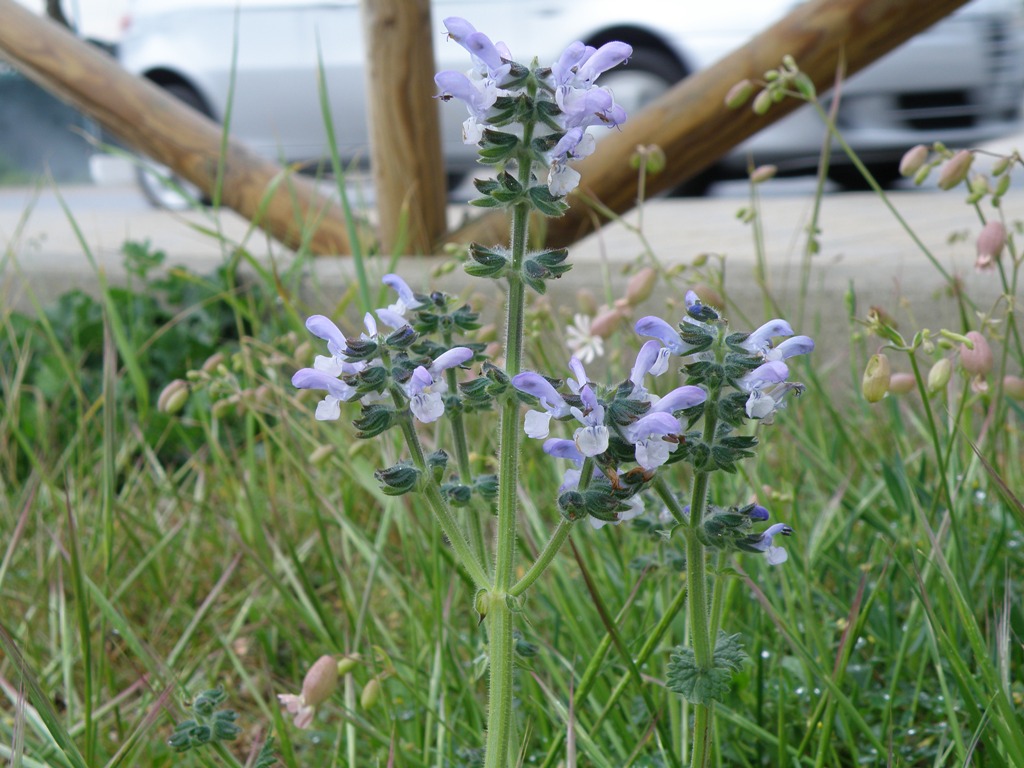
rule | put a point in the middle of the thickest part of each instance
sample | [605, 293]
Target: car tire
[852, 180]
[161, 187]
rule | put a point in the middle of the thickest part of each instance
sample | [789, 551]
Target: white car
[961, 82]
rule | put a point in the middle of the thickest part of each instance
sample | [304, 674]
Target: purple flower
[774, 555]
[592, 438]
[646, 435]
[328, 409]
[651, 359]
[760, 341]
[563, 449]
[425, 388]
[797, 345]
[657, 328]
[406, 298]
[537, 422]
[486, 55]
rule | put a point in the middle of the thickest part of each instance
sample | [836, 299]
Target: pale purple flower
[538, 422]
[656, 328]
[592, 438]
[797, 345]
[426, 388]
[679, 399]
[561, 448]
[774, 555]
[651, 359]
[761, 384]
[317, 687]
[760, 341]
[646, 435]
[336, 364]
[328, 409]
[488, 56]
[406, 298]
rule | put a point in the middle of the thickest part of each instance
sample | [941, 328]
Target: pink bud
[1013, 386]
[738, 94]
[977, 361]
[605, 323]
[912, 161]
[641, 285]
[902, 383]
[955, 170]
[990, 244]
[763, 173]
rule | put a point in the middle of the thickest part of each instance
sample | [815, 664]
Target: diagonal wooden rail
[691, 122]
[145, 117]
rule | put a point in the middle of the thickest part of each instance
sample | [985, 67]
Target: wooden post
[691, 122]
[405, 139]
[157, 124]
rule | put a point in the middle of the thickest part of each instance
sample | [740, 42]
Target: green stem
[438, 505]
[696, 579]
[499, 616]
[557, 538]
[473, 512]
[544, 558]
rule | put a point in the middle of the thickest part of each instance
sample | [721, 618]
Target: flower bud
[977, 361]
[348, 663]
[990, 244]
[902, 383]
[371, 694]
[605, 323]
[913, 160]
[708, 296]
[738, 94]
[875, 382]
[173, 397]
[939, 375]
[762, 173]
[213, 362]
[955, 170]
[641, 286]
[1013, 386]
[762, 102]
[320, 682]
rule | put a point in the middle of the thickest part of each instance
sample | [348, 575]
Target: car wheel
[851, 180]
[161, 186]
[650, 73]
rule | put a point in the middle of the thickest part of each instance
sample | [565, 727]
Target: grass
[148, 558]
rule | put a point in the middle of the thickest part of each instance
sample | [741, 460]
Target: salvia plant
[622, 447]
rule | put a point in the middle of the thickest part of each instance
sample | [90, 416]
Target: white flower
[583, 344]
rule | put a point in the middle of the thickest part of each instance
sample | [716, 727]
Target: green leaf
[704, 686]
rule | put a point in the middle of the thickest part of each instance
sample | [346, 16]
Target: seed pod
[605, 323]
[875, 382]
